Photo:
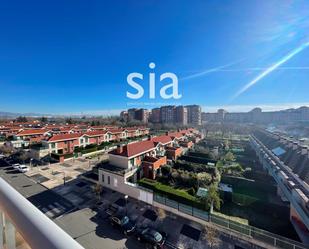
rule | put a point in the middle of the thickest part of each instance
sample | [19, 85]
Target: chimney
[150, 137]
[167, 133]
[119, 149]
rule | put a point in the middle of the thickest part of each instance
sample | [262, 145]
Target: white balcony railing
[22, 222]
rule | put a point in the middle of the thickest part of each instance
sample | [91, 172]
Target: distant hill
[14, 115]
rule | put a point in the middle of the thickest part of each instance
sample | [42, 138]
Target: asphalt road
[49, 202]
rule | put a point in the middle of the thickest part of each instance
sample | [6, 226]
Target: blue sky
[74, 56]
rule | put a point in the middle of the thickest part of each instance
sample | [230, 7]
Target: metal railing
[36, 229]
[246, 230]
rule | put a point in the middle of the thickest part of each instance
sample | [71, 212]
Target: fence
[250, 231]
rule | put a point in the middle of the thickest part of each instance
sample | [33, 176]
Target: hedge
[91, 148]
[198, 154]
[195, 159]
[178, 195]
[57, 156]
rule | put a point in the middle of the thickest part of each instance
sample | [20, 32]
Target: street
[73, 207]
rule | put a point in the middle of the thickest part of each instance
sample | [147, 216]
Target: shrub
[178, 195]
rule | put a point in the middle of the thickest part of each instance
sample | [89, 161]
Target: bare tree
[98, 191]
[5, 149]
[211, 235]
[161, 216]
[23, 156]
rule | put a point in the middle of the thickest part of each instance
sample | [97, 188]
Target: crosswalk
[53, 210]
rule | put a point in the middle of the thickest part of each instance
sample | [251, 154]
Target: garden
[254, 200]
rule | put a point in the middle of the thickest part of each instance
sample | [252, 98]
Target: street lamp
[63, 177]
[126, 198]
[31, 159]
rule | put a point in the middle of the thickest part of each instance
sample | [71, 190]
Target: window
[108, 180]
[82, 141]
[53, 145]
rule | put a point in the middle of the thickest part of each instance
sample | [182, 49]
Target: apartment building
[167, 114]
[256, 115]
[194, 114]
[142, 115]
[181, 115]
[135, 114]
[155, 115]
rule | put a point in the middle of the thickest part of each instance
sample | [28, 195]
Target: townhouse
[64, 143]
[143, 159]
[27, 134]
[97, 136]
[131, 162]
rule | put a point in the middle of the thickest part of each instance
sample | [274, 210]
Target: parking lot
[56, 174]
[90, 224]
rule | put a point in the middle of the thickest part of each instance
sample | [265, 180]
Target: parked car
[16, 165]
[2, 156]
[112, 209]
[23, 168]
[123, 222]
[151, 236]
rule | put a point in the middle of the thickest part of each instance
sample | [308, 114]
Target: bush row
[178, 195]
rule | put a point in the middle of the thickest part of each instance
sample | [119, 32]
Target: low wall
[117, 182]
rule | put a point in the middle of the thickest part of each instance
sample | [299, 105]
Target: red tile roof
[164, 139]
[137, 148]
[114, 131]
[32, 132]
[95, 133]
[176, 134]
[63, 137]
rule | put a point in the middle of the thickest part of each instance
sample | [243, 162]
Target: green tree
[21, 119]
[43, 119]
[229, 156]
[213, 198]
[69, 121]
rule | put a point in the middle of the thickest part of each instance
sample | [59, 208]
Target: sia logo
[152, 85]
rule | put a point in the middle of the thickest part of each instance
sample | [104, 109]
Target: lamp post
[63, 178]
[31, 163]
[126, 198]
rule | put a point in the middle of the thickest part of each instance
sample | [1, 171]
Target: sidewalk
[53, 175]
